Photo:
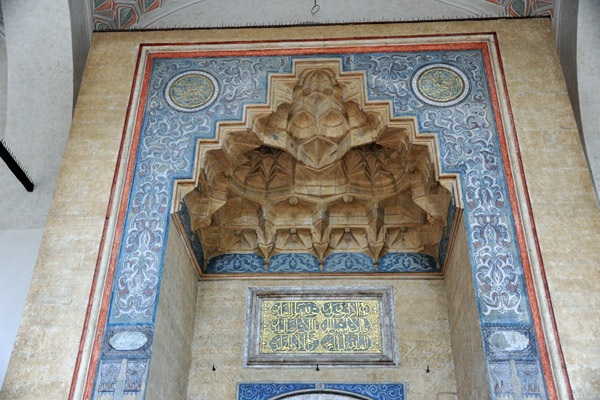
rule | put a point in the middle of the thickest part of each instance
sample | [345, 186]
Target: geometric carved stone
[318, 171]
[326, 326]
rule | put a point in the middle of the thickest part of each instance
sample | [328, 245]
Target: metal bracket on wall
[15, 166]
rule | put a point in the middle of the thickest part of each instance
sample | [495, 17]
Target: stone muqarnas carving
[318, 170]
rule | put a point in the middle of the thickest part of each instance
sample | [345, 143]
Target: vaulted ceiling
[153, 14]
[318, 170]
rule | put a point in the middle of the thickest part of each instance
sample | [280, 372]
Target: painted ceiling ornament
[192, 91]
[315, 8]
[440, 85]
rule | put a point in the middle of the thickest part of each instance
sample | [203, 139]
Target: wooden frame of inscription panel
[388, 357]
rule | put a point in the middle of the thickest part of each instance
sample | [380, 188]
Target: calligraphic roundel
[440, 84]
[192, 91]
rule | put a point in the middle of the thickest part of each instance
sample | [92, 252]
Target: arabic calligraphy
[320, 326]
[191, 91]
[440, 84]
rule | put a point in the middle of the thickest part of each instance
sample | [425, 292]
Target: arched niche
[474, 151]
[319, 395]
[318, 171]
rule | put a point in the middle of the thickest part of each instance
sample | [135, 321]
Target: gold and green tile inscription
[320, 326]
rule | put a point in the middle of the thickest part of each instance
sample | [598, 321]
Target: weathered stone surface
[422, 328]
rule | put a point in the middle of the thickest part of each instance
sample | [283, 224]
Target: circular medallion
[440, 85]
[192, 91]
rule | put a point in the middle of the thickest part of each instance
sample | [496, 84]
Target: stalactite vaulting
[320, 171]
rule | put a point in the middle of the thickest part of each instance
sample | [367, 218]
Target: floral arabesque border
[371, 391]
[469, 146]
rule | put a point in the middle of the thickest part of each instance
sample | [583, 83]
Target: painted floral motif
[138, 280]
[109, 372]
[468, 145]
[135, 375]
[349, 262]
[266, 391]
[304, 262]
[390, 391]
[407, 262]
[516, 380]
[168, 140]
[235, 264]
[294, 262]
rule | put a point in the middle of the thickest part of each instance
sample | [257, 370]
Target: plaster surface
[422, 329]
[195, 13]
[467, 347]
[35, 114]
[37, 122]
[21, 249]
[588, 74]
[3, 80]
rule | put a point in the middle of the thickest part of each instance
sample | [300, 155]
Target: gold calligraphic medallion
[440, 85]
[191, 91]
[320, 326]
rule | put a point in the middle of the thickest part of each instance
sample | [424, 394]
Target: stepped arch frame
[280, 88]
[103, 312]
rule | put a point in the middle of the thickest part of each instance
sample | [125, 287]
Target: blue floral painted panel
[407, 262]
[382, 391]
[294, 262]
[349, 262]
[267, 391]
[235, 264]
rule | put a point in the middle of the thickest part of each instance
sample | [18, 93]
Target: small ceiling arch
[320, 394]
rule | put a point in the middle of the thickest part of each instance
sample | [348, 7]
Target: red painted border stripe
[533, 227]
[102, 319]
[102, 240]
[535, 312]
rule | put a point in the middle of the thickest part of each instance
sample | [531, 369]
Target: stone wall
[563, 201]
[171, 348]
[421, 321]
[467, 348]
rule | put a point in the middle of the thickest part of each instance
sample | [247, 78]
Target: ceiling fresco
[156, 14]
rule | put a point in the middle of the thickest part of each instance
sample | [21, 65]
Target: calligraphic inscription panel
[319, 326]
[327, 326]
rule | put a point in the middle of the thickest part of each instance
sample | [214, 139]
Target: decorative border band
[365, 391]
[109, 265]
